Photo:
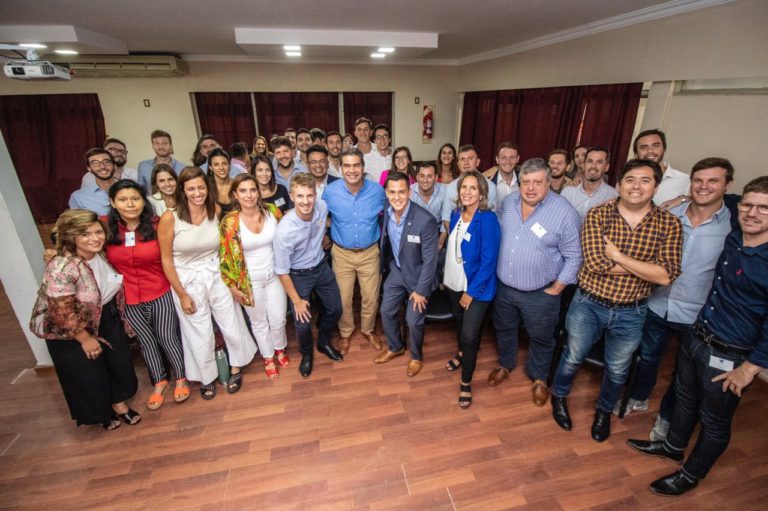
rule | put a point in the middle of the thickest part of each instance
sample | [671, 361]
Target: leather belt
[356, 250]
[609, 304]
[703, 334]
[310, 270]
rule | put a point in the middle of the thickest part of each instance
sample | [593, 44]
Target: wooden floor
[354, 436]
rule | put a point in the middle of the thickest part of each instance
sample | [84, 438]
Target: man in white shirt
[506, 178]
[380, 158]
[593, 190]
[334, 144]
[651, 145]
[363, 128]
[303, 141]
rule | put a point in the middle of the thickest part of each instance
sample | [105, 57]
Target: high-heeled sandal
[465, 395]
[110, 424]
[282, 358]
[271, 369]
[131, 417]
[454, 363]
[157, 398]
[181, 391]
[208, 392]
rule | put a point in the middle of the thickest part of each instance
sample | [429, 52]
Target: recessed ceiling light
[291, 47]
[67, 52]
[293, 54]
[34, 46]
[377, 55]
[386, 49]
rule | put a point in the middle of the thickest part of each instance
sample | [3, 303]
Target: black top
[281, 199]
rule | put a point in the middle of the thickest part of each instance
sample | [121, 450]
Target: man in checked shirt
[629, 245]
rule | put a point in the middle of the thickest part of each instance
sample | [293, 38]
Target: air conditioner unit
[35, 70]
[126, 66]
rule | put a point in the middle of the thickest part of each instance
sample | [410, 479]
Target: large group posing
[185, 257]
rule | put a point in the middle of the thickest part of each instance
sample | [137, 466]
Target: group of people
[304, 217]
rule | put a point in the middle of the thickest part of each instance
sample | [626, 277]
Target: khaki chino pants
[363, 266]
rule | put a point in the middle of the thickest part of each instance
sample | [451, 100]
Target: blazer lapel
[406, 228]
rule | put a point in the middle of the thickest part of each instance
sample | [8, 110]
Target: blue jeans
[539, 312]
[656, 334]
[322, 281]
[700, 399]
[586, 322]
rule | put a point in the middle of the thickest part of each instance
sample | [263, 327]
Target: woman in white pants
[248, 268]
[189, 249]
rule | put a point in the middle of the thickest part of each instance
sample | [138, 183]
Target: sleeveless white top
[257, 248]
[195, 243]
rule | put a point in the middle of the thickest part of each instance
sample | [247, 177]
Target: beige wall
[171, 107]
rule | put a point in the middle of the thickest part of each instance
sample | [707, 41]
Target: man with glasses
[119, 154]
[723, 351]
[317, 159]
[94, 195]
[380, 158]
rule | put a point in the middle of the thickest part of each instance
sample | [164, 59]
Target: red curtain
[540, 120]
[47, 136]
[376, 106]
[226, 115]
[277, 111]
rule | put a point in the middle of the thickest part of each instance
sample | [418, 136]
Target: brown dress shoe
[414, 366]
[373, 340]
[344, 345]
[498, 375]
[540, 392]
[386, 355]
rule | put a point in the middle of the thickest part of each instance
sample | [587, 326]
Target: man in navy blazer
[409, 248]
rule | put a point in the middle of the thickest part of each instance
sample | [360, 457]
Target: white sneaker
[632, 406]
[660, 429]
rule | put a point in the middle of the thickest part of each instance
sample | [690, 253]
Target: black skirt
[92, 386]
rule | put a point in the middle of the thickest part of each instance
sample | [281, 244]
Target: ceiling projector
[35, 70]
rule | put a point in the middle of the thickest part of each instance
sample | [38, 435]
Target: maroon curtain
[226, 115]
[47, 136]
[277, 111]
[376, 106]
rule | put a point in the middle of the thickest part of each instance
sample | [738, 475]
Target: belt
[703, 334]
[609, 304]
[356, 250]
[310, 270]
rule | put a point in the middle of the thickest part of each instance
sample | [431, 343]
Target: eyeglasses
[401, 158]
[100, 163]
[745, 207]
[381, 137]
[115, 150]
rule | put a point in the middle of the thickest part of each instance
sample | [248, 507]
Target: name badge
[116, 278]
[720, 363]
[414, 239]
[130, 239]
[280, 202]
[538, 230]
[467, 236]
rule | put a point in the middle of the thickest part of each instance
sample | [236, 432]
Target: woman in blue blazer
[470, 272]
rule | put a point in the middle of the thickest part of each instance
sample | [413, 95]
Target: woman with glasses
[401, 162]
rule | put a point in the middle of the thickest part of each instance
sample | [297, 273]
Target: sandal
[465, 395]
[270, 369]
[181, 391]
[282, 358]
[111, 424]
[157, 398]
[234, 382]
[208, 392]
[131, 417]
[454, 363]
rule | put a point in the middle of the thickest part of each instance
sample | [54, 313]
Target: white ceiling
[467, 30]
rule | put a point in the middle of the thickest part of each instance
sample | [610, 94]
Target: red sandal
[271, 369]
[282, 358]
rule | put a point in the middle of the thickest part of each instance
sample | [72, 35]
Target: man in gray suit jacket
[409, 251]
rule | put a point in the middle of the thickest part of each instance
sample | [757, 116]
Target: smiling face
[708, 186]
[247, 195]
[397, 194]
[401, 161]
[352, 169]
[579, 156]
[303, 198]
[263, 173]
[637, 187]
[381, 137]
[558, 164]
[363, 133]
[534, 187]
[468, 160]
[469, 193]
[303, 141]
[595, 166]
[260, 146]
[650, 147]
[318, 164]
[284, 157]
[196, 191]
[101, 166]
[90, 242]
[752, 222]
[162, 147]
[207, 145]
[118, 152]
[220, 167]
[447, 156]
[426, 177]
[333, 144]
[507, 160]
[166, 183]
[129, 204]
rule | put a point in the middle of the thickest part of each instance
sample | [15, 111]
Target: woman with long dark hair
[133, 250]
[164, 183]
[402, 162]
[447, 164]
[270, 191]
[219, 179]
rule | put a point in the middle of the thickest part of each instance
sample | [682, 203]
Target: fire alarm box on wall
[427, 124]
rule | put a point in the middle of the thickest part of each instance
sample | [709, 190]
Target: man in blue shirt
[720, 355]
[673, 309]
[94, 195]
[540, 254]
[409, 252]
[162, 145]
[355, 204]
[301, 267]
[286, 166]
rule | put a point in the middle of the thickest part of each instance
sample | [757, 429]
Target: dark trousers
[91, 387]
[322, 281]
[469, 326]
[395, 293]
[698, 399]
[539, 312]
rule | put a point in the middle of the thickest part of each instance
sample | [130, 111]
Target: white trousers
[268, 312]
[202, 282]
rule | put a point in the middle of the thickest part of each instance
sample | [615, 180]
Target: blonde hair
[69, 225]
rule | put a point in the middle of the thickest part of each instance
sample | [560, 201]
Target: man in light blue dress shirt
[355, 204]
[593, 190]
[540, 255]
[162, 145]
[673, 309]
[287, 166]
[93, 195]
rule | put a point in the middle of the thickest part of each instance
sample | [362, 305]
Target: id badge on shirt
[538, 230]
[280, 202]
[720, 363]
[414, 239]
[130, 239]
[115, 278]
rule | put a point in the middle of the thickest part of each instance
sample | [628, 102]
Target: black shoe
[331, 352]
[601, 426]
[655, 449]
[674, 484]
[560, 413]
[305, 368]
